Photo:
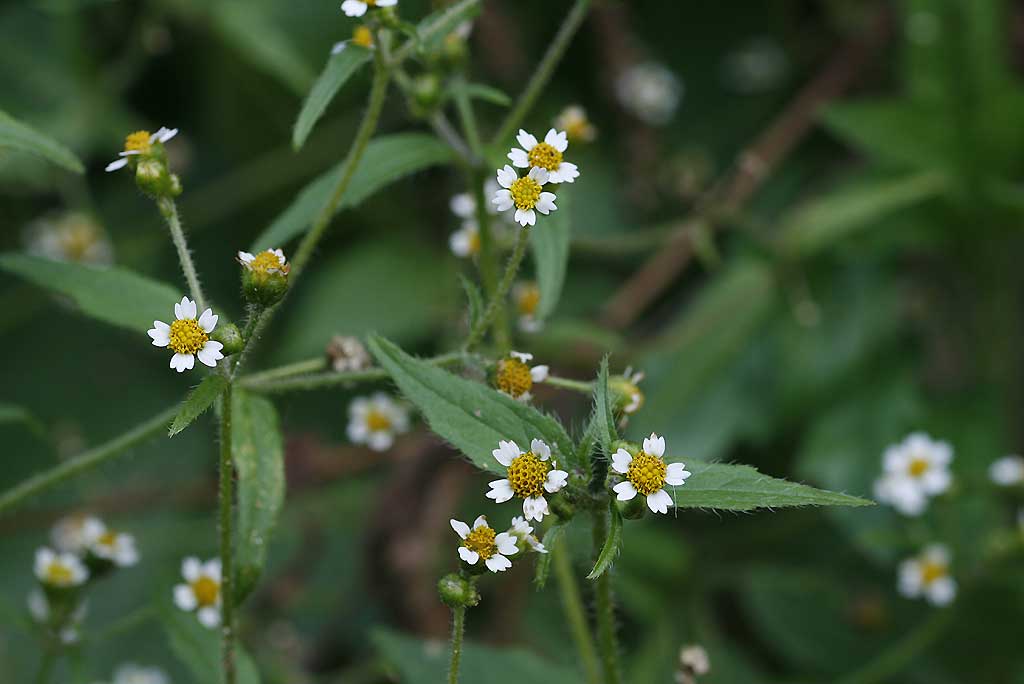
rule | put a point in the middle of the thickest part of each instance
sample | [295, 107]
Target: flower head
[650, 91]
[465, 242]
[59, 570]
[72, 236]
[526, 297]
[346, 353]
[523, 532]
[530, 475]
[627, 388]
[267, 261]
[115, 547]
[545, 155]
[357, 8]
[525, 194]
[142, 144]
[188, 337]
[573, 120]
[463, 205]
[913, 471]
[1007, 471]
[76, 533]
[201, 591]
[374, 421]
[928, 575]
[482, 542]
[647, 474]
[513, 375]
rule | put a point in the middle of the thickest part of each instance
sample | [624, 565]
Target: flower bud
[228, 335]
[264, 276]
[457, 592]
[561, 507]
[634, 509]
[154, 180]
[426, 94]
[627, 398]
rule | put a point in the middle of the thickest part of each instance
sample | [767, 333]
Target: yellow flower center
[138, 142]
[918, 467]
[77, 239]
[107, 539]
[474, 242]
[206, 590]
[513, 377]
[59, 575]
[268, 262]
[370, 3]
[578, 129]
[187, 337]
[362, 37]
[545, 156]
[525, 192]
[529, 298]
[481, 540]
[527, 475]
[932, 571]
[377, 421]
[647, 473]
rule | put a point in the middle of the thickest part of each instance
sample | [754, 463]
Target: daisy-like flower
[573, 120]
[465, 242]
[39, 609]
[267, 261]
[513, 375]
[130, 673]
[188, 337]
[545, 155]
[530, 475]
[1007, 471]
[59, 570]
[647, 474]
[913, 471]
[141, 143]
[928, 575]
[650, 91]
[523, 532]
[201, 593]
[357, 8]
[76, 533]
[482, 542]
[525, 194]
[72, 236]
[526, 297]
[374, 421]
[115, 547]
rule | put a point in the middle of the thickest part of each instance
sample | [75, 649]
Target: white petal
[506, 543]
[625, 491]
[676, 474]
[540, 175]
[498, 563]
[208, 321]
[381, 440]
[526, 217]
[188, 308]
[522, 356]
[655, 445]
[480, 521]
[463, 205]
[210, 354]
[556, 480]
[461, 528]
[184, 597]
[659, 501]
[161, 336]
[503, 200]
[535, 508]
[526, 140]
[540, 449]
[353, 8]
[942, 591]
[546, 203]
[469, 556]
[117, 164]
[539, 373]
[191, 569]
[501, 491]
[519, 158]
[558, 140]
[506, 451]
[507, 176]
[211, 569]
[386, 3]
[182, 362]
[620, 461]
[166, 134]
[209, 616]
[566, 172]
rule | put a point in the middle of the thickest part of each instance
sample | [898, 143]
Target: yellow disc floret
[545, 156]
[932, 571]
[138, 142]
[528, 299]
[527, 475]
[377, 421]
[107, 539]
[362, 37]
[206, 590]
[59, 575]
[525, 192]
[513, 377]
[918, 467]
[268, 262]
[481, 540]
[187, 337]
[647, 473]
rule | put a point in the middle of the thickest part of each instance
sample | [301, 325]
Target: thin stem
[444, 130]
[572, 604]
[86, 461]
[604, 603]
[272, 382]
[286, 371]
[566, 383]
[544, 70]
[458, 632]
[894, 660]
[497, 302]
[227, 597]
[169, 210]
[49, 660]
[467, 117]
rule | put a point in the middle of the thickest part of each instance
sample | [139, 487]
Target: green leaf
[197, 401]
[386, 159]
[474, 299]
[549, 241]
[435, 27]
[198, 648]
[421, 662]
[603, 419]
[18, 136]
[12, 414]
[340, 67]
[821, 223]
[258, 451]
[612, 543]
[471, 416]
[480, 91]
[741, 488]
[879, 129]
[551, 539]
[112, 295]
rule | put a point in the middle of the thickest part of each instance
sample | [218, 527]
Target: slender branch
[544, 70]
[444, 130]
[169, 210]
[286, 371]
[467, 117]
[567, 383]
[458, 632]
[487, 260]
[572, 604]
[497, 302]
[86, 461]
[894, 660]
[604, 604]
[275, 380]
[227, 597]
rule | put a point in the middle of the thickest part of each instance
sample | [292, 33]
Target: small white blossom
[140, 142]
[59, 570]
[647, 474]
[928, 575]
[546, 155]
[482, 542]
[130, 673]
[523, 532]
[374, 421]
[1007, 471]
[267, 261]
[530, 475]
[525, 194]
[465, 242]
[650, 91]
[72, 236]
[573, 120]
[76, 533]
[526, 296]
[694, 659]
[116, 547]
[357, 8]
[914, 470]
[346, 354]
[515, 377]
[201, 592]
[188, 337]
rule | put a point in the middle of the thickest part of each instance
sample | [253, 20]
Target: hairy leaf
[603, 419]
[612, 543]
[549, 241]
[473, 298]
[197, 401]
[340, 67]
[550, 541]
[18, 136]
[198, 648]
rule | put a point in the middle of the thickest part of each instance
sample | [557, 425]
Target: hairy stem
[227, 484]
[281, 379]
[169, 210]
[458, 631]
[572, 604]
[497, 303]
[604, 604]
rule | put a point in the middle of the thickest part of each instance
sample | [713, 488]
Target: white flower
[374, 421]
[650, 91]
[39, 609]
[526, 296]
[140, 142]
[60, 570]
[267, 261]
[465, 242]
[75, 533]
[72, 236]
[928, 575]
[530, 475]
[694, 659]
[1007, 471]
[523, 532]
[357, 8]
[463, 205]
[513, 375]
[116, 547]
[913, 471]
[202, 591]
[627, 385]
[758, 66]
[545, 155]
[188, 337]
[647, 474]
[130, 673]
[525, 194]
[483, 542]
[347, 354]
[573, 120]
[902, 493]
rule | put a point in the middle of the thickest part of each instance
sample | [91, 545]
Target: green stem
[604, 603]
[566, 383]
[49, 660]
[86, 461]
[544, 70]
[272, 382]
[227, 483]
[894, 660]
[497, 303]
[572, 604]
[458, 631]
[286, 371]
[169, 210]
[468, 118]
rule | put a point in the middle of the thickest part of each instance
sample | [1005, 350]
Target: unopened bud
[633, 509]
[264, 276]
[561, 507]
[153, 179]
[229, 336]
[426, 94]
[457, 591]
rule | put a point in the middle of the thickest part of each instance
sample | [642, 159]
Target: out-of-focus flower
[758, 66]
[1007, 471]
[523, 532]
[346, 353]
[375, 421]
[694, 659]
[130, 673]
[928, 575]
[514, 377]
[482, 542]
[547, 155]
[75, 533]
[70, 236]
[913, 471]
[465, 242]
[116, 547]
[39, 609]
[530, 475]
[357, 8]
[59, 570]
[526, 297]
[647, 474]
[525, 194]
[573, 120]
[627, 389]
[201, 593]
[650, 91]
[188, 337]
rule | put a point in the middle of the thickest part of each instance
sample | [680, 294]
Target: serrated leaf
[197, 401]
[742, 488]
[879, 129]
[469, 415]
[258, 451]
[340, 67]
[603, 419]
[198, 648]
[551, 539]
[385, 160]
[16, 135]
[549, 242]
[474, 300]
[612, 543]
[112, 295]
